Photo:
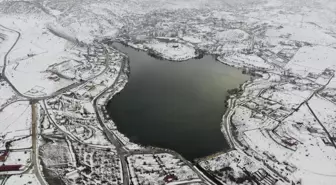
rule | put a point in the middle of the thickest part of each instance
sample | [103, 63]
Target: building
[72, 175]
[289, 141]
[170, 178]
[10, 168]
[4, 156]
[79, 130]
[326, 141]
[54, 77]
[312, 129]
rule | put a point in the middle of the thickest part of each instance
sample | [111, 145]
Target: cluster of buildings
[73, 115]
[5, 168]
[11, 165]
[83, 68]
[161, 169]
[96, 166]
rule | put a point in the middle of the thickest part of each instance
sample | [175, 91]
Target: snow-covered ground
[283, 121]
[23, 179]
[312, 60]
[7, 94]
[7, 39]
[35, 51]
[305, 34]
[15, 121]
[18, 158]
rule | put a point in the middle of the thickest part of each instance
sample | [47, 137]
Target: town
[59, 69]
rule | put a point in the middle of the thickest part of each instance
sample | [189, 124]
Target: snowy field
[243, 119]
[326, 113]
[7, 94]
[23, 179]
[15, 120]
[312, 60]
[305, 34]
[35, 51]
[18, 158]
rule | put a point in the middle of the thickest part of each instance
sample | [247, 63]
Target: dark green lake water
[175, 105]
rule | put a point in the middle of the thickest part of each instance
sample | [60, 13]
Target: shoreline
[151, 52]
[203, 174]
[227, 102]
[225, 126]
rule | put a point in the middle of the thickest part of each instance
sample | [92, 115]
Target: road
[231, 109]
[227, 122]
[305, 101]
[232, 105]
[10, 49]
[33, 100]
[109, 134]
[35, 156]
[35, 160]
[58, 92]
[4, 180]
[3, 73]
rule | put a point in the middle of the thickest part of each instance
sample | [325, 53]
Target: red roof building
[170, 178]
[4, 156]
[10, 168]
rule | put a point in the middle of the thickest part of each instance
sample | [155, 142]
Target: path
[35, 157]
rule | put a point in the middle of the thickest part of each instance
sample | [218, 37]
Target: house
[72, 175]
[326, 141]
[79, 130]
[10, 168]
[170, 178]
[312, 129]
[4, 156]
[289, 141]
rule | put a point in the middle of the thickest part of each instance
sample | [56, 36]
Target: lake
[175, 105]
